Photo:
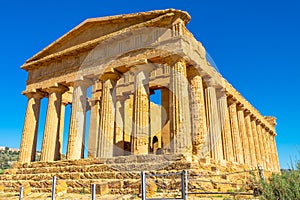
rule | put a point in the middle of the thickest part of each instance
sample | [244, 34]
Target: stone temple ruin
[202, 122]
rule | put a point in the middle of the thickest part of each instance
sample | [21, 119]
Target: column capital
[272, 133]
[247, 112]
[57, 88]
[221, 92]
[192, 71]
[231, 100]
[82, 81]
[253, 118]
[258, 122]
[209, 81]
[146, 68]
[240, 107]
[34, 93]
[110, 74]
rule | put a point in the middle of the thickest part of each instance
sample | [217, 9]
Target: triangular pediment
[94, 28]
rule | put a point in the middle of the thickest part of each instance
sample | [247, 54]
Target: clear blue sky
[255, 45]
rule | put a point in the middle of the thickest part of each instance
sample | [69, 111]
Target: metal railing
[179, 186]
[186, 178]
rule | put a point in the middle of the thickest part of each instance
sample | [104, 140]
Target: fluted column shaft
[275, 154]
[141, 126]
[268, 138]
[266, 148]
[120, 127]
[213, 121]
[256, 142]
[198, 117]
[261, 145]
[51, 140]
[236, 140]
[243, 136]
[77, 122]
[94, 128]
[251, 140]
[179, 107]
[225, 128]
[61, 130]
[165, 119]
[107, 116]
[94, 125]
[29, 135]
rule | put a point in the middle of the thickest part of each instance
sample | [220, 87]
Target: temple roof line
[109, 19]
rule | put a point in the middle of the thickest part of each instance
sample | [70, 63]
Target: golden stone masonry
[201, 122]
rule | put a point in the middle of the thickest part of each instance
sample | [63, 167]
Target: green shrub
[284, 186]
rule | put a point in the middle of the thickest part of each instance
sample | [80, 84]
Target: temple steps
[120, 174]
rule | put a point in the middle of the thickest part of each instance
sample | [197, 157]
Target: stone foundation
[121, 175]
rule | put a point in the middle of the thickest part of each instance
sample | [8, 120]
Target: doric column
[59, 147]
[29, 135]
[51, 141]
[243, 136]
[77, 122]
[180, 123]
[236, 140]
[268, 142]
[165, 120]
[94, 124]
[141, 124]
[119, 129]
[198, 117]
[225, 126]
[107, 115]
[256, 142]
[261, 144]
[213, 120]
[272, 153]
[275, 154]
[250, 138]
[266, 148]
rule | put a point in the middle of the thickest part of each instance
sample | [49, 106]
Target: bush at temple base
[284, 186]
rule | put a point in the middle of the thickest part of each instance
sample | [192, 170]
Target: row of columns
[102, 124]
[215, 123]
[53, 132]
[224, 130]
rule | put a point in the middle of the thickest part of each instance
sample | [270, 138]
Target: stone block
[61, 187]
[115, 184]
[27, 188]
[102, 189]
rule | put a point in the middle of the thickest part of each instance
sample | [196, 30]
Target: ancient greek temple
[110, 67]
